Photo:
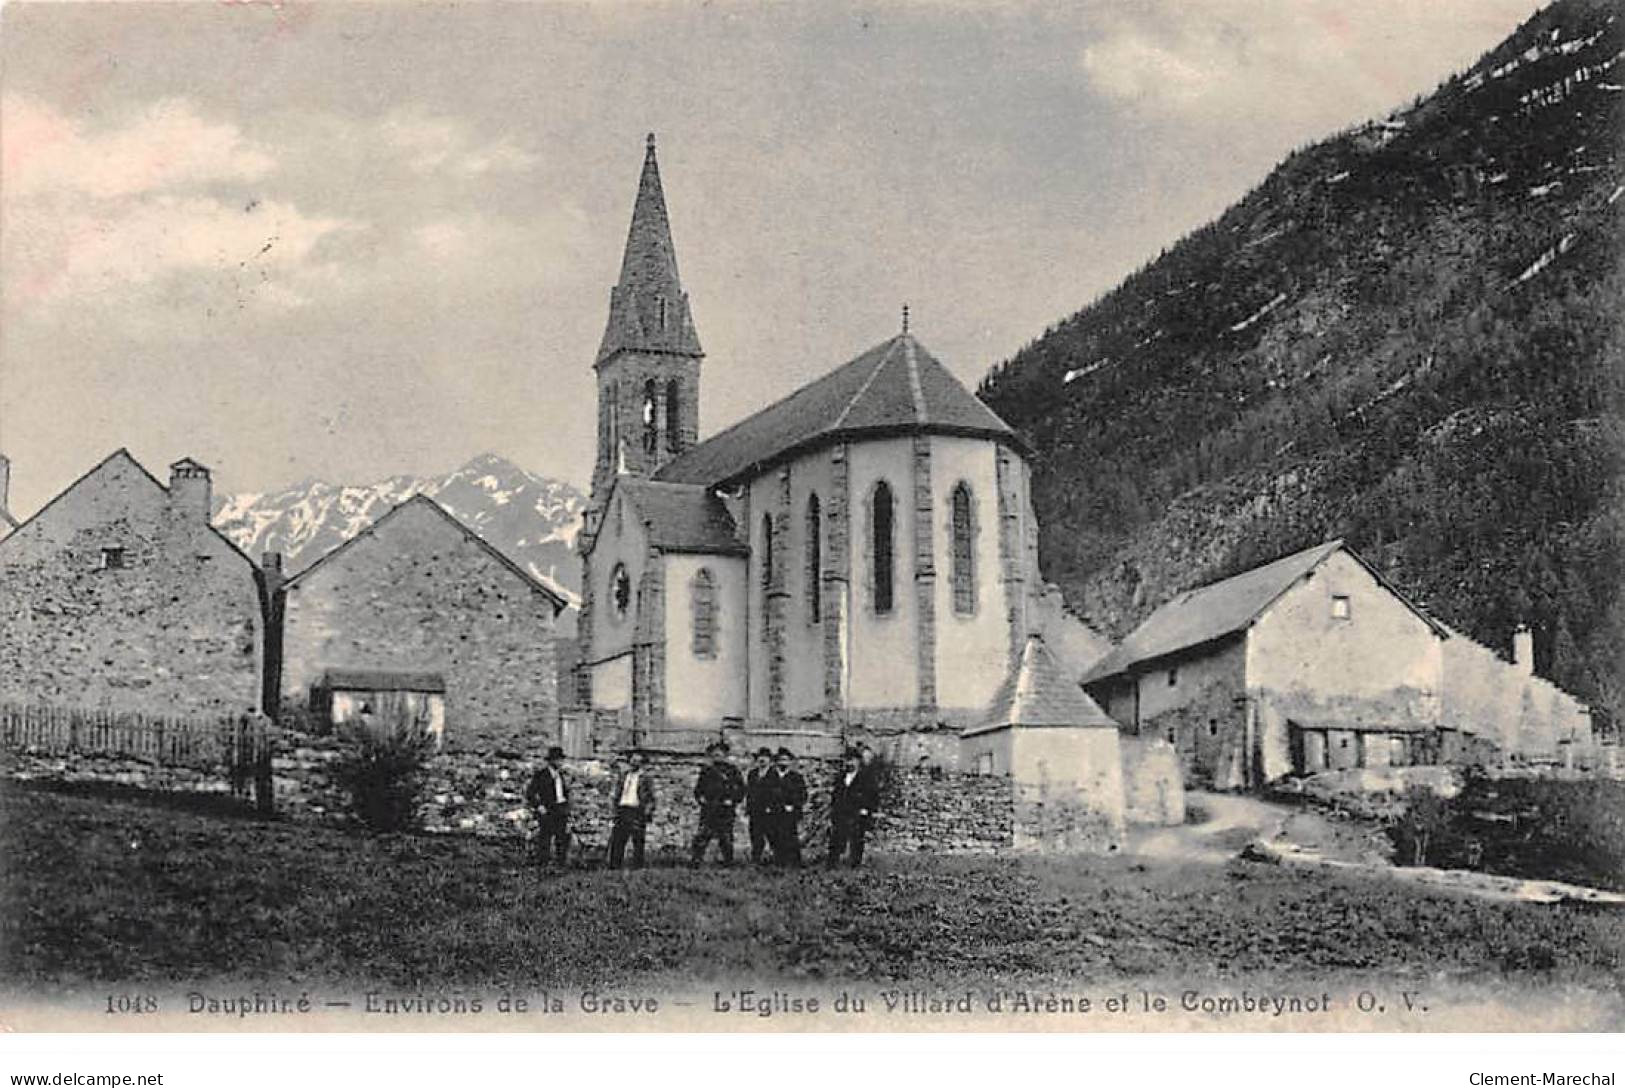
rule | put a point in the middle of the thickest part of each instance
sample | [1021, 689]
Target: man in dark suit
[759, 805]
[853, 800]
[633, 803]
[719, 790]
[788, 799]
[549, 797]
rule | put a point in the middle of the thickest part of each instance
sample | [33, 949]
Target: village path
[1233, 820]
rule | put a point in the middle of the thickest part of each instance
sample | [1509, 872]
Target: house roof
[1223, 608]
[530, 580]
[380, 680]
[122, 452]
[683, 517]
[896, 387]
[1039, 695]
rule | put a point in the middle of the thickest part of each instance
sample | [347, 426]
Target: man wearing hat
[633, 803]
[549, 797]
[789, 798]
[719, 790]
[759, 804]
[852, 803]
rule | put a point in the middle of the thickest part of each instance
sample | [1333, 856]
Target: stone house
[118, 594]
[418, 594]
[860, 555]
[1315, 662]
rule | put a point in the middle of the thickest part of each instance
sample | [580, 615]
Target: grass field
[102, 889]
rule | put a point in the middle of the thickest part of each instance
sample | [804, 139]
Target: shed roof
[381, 680]
[1039, 695]
[896, 387]
[1223, 608]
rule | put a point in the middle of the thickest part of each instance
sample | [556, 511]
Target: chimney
[189, 490]
[1523, 650]
[271, 567]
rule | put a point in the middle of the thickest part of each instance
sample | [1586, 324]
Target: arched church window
[963, 550]
[674, 417]
[767, 562]
[815, 561]
[651, 417]
[620, 590]
[703, 594]
[881, 517]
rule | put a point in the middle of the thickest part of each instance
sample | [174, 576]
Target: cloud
[435, 144]
[1313, 65]
[97, 215]
[167, 145]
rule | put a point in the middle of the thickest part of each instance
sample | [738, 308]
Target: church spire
[648, 310]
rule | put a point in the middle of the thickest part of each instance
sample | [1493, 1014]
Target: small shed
[382, 697]
[1061, 751]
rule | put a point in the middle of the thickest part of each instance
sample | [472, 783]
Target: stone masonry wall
[921, 810]
[175, 629]
[419, 595]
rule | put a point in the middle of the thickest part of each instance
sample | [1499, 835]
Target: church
[856, 559]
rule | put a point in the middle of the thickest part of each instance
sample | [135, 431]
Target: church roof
[1223, 608]
[1038, 694]
[896, 387]
[648, 310]
[683, 517]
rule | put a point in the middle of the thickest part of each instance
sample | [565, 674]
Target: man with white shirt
[549, 797]
[634, 804]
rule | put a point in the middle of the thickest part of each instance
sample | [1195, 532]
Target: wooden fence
[238, 748]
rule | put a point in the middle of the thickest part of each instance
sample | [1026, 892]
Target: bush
[1425, 830]
[382, 770]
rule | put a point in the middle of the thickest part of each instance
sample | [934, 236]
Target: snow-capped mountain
[531, 519]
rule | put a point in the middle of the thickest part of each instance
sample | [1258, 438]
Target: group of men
[773, 794]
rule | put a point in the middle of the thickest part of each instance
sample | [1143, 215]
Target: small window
[112, 558]
[1213, 727]
[984, 763]
[1343, 742]
[1340, 607]
[1170, 734]
[1173, 677]
[651, 417]
[674, 417]
[620, 588]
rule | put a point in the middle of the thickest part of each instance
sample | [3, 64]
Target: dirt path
[1232, 822]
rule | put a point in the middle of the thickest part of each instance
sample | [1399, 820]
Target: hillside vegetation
[1408, 336]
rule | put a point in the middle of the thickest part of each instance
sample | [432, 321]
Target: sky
[345, 241]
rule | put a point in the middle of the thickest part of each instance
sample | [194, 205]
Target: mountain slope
[1408, 336]
[531, 519]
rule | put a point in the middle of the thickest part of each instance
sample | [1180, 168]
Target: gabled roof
[1226, 607]
[648, 310]
[423, 500]
[1039, 695]
[895, 387]
[123, 452]
[682, 517]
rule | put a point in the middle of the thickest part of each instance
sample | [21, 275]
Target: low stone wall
[141, 774]
[922, 809]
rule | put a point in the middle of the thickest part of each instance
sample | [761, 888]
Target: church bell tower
[648, 363]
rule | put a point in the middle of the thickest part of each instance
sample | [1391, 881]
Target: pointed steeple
[648, 310]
